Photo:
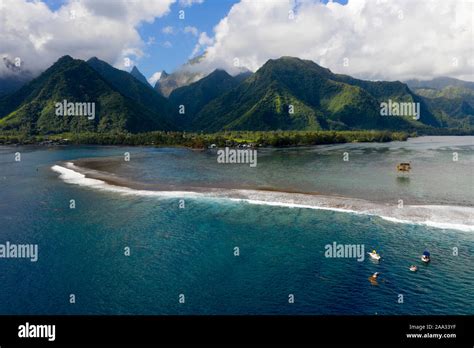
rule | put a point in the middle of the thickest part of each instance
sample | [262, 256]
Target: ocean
[172, 231]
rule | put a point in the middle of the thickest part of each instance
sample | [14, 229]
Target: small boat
[413, 268]
[374, 255]
[426, 256]
[404, 167]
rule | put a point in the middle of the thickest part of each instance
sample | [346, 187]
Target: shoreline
[252, 139]
[59, 144]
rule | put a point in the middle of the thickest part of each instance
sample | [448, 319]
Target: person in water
[373, 278]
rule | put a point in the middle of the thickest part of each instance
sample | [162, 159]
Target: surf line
[73, 177]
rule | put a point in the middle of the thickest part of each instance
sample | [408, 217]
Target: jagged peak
[65, 59]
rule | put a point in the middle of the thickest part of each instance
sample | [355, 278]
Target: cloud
[168, 30]
[371, 39]
[155, 77]
[167, 44]
[188, 3]
[203, 41]
[38, 36]
[151, 40]
[191, 30]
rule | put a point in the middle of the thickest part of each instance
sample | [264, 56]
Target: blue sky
[159, 55]
[168, 51]
[201, 16]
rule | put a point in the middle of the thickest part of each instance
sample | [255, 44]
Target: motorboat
[374, 255]
[426, 257]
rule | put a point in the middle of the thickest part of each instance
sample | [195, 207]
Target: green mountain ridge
[319, 98]
[196, 95]
[32, 108]
[284, 94]
[129, 86]
[453, 105]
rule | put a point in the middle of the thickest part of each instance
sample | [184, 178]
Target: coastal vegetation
[202, 140]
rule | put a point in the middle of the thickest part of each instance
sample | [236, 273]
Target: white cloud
[81, 28]
[151, 40]
[168, 30]
[383, 39]
[155, 77]
[191, 30]
[167, 44]
[203, 41]
[187, 3]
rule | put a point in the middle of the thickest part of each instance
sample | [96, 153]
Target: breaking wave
[444, 217]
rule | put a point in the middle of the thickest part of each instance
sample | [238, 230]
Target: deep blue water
[191, 251]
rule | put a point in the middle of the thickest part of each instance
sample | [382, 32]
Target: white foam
[443, 217]
[442, 225]
[436, 224]
[72, 177]
[295, 205]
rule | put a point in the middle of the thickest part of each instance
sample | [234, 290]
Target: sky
[370, 39]
[169, 40]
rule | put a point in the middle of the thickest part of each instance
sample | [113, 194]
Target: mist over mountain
[182, 76]
[440, 83]
[14, 77]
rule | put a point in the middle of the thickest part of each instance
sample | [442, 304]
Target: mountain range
[122, 102]
[284, 94]
[317, 98]
[451, 99]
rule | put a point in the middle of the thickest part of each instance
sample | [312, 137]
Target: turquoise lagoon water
[190, 251]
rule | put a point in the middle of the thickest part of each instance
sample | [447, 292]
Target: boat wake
[444, 217]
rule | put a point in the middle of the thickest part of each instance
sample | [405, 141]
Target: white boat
[374, 255]
[413, 268]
